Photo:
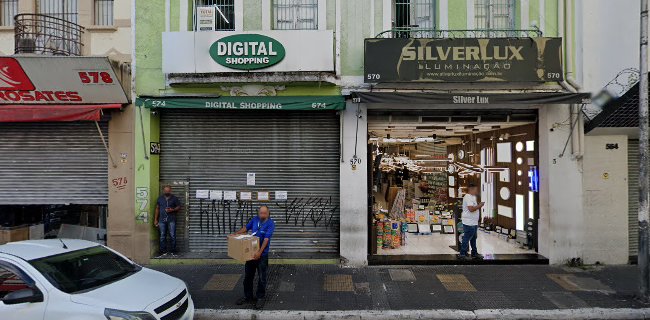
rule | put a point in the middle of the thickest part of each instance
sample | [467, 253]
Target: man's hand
[168, 210]
[257, 255]
[155, 223]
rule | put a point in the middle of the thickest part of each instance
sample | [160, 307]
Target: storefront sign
[247, 51]
[463, 60]
[58, 80]
[259, 51]
[537, 98]
[248, 103]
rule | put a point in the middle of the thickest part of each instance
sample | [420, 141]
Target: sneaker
[260, 303]
[463, 257]
[173, 254]
[477, 256]
[242, 301]
[162, 255]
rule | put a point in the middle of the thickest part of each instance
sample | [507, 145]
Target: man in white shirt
[470, 217]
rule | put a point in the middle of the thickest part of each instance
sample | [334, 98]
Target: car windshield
[84, 270]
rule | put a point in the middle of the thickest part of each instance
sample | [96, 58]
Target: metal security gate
[293, 151]
[633, 195]
[53, 163]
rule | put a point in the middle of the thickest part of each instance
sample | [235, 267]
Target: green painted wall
[457, 15]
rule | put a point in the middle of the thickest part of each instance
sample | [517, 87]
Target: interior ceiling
[403, 127]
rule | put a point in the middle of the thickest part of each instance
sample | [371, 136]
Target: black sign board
[463, 60]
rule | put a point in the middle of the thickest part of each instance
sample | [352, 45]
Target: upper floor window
[8, 9]
[63, 9]
[415, 14]
[295, 14]
[224, 13]
[494, 14]
[103, 13]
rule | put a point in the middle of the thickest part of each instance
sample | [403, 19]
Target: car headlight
[112, 314]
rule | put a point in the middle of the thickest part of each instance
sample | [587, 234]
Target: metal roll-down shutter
[53, 163]
[633, 195]
[293, 151]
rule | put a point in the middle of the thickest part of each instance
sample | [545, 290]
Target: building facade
[242, 103]
[66, 120]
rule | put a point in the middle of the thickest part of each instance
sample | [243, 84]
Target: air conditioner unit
[26, 45]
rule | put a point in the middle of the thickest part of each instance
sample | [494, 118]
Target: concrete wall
[561, 216]
[605, 200]
[354, 186]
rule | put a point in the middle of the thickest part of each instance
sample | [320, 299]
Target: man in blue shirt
[167, 207]
[261, 226]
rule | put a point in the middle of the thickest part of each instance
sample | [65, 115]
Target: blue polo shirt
[263, 230]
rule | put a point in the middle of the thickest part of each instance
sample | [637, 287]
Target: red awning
[53, 113]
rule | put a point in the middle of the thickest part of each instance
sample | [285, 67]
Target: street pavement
[332, 287]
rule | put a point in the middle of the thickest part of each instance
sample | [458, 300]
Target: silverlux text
[471, 99]
[462, 53]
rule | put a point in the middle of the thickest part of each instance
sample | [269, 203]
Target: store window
[8, 9]
[10, 282]
[63, 9]
[415, 14]
[104, 13]
[494, 14]
[221, 15]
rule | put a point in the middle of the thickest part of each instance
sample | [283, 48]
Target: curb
[483, 314]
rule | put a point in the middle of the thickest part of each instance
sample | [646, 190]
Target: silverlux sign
[463, 60]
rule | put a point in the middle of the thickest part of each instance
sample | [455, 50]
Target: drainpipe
[565, 13]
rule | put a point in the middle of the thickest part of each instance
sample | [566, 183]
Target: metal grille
[225, 13]
[633, 195]
[63, 9]
[104, 12]
[291, 151]
[415, 14]
[53, 163]
[8, 9]
[494, 15]
[295, 14]
[43, 34]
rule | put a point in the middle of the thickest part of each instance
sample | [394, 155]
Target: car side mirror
[28, 295]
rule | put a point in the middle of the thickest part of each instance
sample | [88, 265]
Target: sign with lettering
[247, 51]
[463, 60]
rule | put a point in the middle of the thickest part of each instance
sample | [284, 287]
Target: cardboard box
[14, 234]
[243, 247]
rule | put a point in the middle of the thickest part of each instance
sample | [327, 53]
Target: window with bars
[224, 13]
[295, 14]
[494, 14]
[8, 9]
[103, 13]
[419, 14]
[63, 9]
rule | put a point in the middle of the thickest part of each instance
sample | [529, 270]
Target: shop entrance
[421, 165]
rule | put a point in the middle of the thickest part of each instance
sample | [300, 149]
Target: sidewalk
[469, 288]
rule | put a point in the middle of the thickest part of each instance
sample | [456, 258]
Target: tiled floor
[437, 243]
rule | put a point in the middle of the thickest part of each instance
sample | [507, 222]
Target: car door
[12, 279]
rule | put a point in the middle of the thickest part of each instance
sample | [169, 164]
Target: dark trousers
[165, 228]
[469, 237]
[260, 266]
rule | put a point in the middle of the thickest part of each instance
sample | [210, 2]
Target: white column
[542, 16]
[167, 15]
[354, 197]
[524, 13]
[388, 15]
[322, 14]
[266, 14]
[470, 14]
[443, 6]
[184, 12]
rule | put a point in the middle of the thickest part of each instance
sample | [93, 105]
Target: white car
[61, 279]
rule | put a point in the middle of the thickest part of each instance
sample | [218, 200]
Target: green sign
[247, 103]
[247, 51]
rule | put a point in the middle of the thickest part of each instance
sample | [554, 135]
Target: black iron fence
[416, 33]
[42, 34]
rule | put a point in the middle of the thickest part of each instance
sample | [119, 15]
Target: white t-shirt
[470, 218]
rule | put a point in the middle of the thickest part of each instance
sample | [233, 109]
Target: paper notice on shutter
[245, 196]
[230, 195]
[202, 194]
[263, 196]
[250, 179]
[216, 195]
[281, 195]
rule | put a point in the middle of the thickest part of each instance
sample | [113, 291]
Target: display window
[423, 165]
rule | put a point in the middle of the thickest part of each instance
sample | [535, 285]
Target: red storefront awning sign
[52, 113]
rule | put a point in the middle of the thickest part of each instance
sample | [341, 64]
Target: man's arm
[156, 215]
[477, 207]
[259, 252]
[178, 206]
[241, 231]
